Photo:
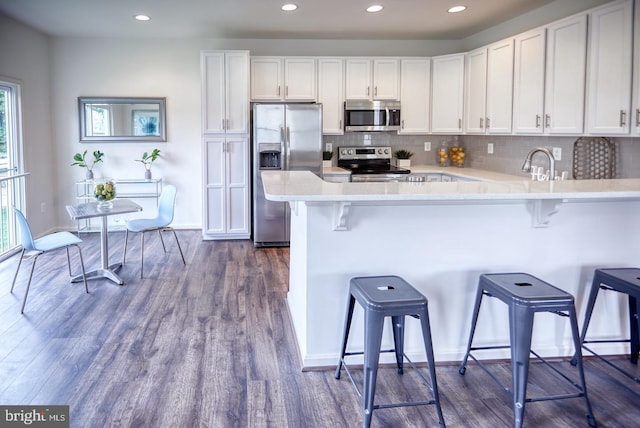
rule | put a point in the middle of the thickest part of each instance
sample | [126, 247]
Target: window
[11, 174]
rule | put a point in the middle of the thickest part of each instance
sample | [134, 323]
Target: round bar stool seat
[381, 297]
[525, 295]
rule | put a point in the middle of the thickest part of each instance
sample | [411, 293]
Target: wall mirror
[122, 119]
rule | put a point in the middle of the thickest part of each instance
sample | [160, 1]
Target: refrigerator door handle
[287, 147]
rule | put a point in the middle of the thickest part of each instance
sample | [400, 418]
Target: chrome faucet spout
[526, 167]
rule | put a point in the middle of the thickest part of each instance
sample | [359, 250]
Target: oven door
[381, 178]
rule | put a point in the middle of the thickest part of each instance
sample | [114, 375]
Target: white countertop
[306, 186]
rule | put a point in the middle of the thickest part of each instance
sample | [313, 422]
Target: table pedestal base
[110, 273]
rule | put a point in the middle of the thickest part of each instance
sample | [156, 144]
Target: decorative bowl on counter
[104, 192]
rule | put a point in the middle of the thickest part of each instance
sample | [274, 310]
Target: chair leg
[345, 335]
[520, 332]
[141, 253]
[17, 269]
[373, 338]
[474, 320]
[398, 340]
[164, 248]
[431, 361]
[68, 260]
[177, 242]
[24, 301]
[84, 274]
[124, 252]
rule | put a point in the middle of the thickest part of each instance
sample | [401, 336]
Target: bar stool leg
[634, 324]
[520, 332]
[593, 294]
[578, 356]
[398, 340]
[374, 324]
[428, 347]
[474, 320]
[345, 337]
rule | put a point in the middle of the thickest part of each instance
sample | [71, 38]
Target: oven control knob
[386, 151]
[343, 151]
[350, 151]
[379, 151]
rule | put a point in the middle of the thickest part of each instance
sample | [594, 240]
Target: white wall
[124, 67]
[24, 59]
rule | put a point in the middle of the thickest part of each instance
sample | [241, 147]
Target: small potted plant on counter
[147, 159]
[81, 161]
[326, 159]
[403, 158]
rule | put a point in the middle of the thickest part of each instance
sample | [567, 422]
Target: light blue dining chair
[160, 223]
[53, 241]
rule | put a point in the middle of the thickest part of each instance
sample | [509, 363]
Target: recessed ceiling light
[374, 8]
[142, 17]
[456, 9]
[289, 7]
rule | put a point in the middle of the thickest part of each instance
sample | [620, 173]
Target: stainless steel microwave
[365, 116]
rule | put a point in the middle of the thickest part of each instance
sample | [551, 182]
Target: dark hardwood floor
[210, 344]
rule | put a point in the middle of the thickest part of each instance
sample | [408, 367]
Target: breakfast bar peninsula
[440, 236]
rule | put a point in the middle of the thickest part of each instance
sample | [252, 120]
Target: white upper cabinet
[528, 82]
[635, 120]
[386, 79]
[376, 79]
[283, 79]
[489, 89]
[225, 92]
[565, 76]
[499, 87]
[475, 90]
[331, 94]
[610, 67]
[300, 79]
[447, 87]
[415, 84]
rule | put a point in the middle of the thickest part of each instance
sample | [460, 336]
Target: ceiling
[263, 19]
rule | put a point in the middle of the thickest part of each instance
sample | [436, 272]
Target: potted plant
[81, 161]
[326, 159]
[403, 158]
[148, 159]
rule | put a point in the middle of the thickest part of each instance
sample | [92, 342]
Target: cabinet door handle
[623, 118]
[223, 128]
[278, 90]
[340, 124]
[286, 91]
[402, 123]
[481, 122]
[638, 117]
[375, 91]
[537, 121]
[368, 90]
[459, 123]
[488, 123]
[547, 120]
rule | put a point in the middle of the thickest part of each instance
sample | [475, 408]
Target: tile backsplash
[509, 152]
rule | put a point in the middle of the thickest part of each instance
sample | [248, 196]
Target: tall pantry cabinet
[225, 144]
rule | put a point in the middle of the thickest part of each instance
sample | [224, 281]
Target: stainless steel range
[370, 164]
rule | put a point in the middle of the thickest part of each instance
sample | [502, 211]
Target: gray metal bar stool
[381, 297]
[525, 295]
[622, 280]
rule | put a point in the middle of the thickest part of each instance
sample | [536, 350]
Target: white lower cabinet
[226, 172]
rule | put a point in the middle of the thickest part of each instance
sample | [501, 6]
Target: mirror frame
[162, 124]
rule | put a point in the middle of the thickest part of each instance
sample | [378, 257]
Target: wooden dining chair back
[161, 223]
[36, 247]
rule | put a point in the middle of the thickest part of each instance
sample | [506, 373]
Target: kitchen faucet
[526, 167]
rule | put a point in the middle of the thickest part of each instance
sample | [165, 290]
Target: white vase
[147, 174]
[88, 175]
[403, 163]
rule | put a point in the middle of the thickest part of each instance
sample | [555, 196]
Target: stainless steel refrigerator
[284, 137]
